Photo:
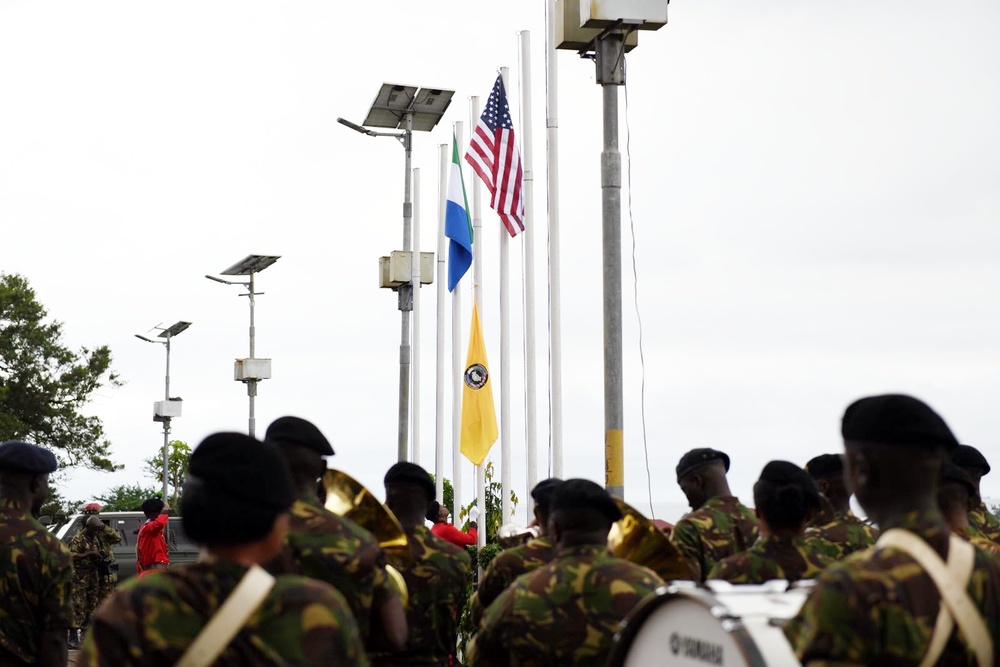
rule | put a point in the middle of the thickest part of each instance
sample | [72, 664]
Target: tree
[493, 518]
[177, 466]
[126, 497]
[44, 385]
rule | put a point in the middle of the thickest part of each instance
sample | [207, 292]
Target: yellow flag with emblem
[479, 418]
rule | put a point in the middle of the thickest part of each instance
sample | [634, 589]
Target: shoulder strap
[230, 617]
[951, 581]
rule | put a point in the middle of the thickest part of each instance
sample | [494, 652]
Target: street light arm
[224, 282]
[149, 340]
[355, 127]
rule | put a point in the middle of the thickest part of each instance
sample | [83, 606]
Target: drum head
[688, 625]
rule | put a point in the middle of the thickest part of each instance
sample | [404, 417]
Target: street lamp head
[148, 340]
[220, 280]
[355, 127]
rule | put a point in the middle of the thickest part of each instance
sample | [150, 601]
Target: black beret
[405, 473]
[953, 474]
[584, 494]
[898, 420]
[967, 456]
[23, 456]
[786, 473]
[542, 493]
[825, 465]
[699, 457]
[152, 506]
[243, 469]
[297, 431]
[432, 511]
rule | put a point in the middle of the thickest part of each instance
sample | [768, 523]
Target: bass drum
[718, 624]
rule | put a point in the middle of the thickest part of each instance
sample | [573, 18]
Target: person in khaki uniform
[719, 525]
[882, 605]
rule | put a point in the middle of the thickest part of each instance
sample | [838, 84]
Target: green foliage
[57, 506]
[44, 384]
[995, 510]
[127, 497]
[177, 466]
[494, 507]
[448, 493]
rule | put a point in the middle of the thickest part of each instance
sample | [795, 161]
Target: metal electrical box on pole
[612, 25]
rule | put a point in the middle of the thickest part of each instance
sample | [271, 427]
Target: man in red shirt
[151, 545]
[446, 531]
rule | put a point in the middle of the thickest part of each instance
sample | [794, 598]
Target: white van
[179, 547]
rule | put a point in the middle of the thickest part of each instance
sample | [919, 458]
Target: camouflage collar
[926, 524]
[780, 541]
[9, 506]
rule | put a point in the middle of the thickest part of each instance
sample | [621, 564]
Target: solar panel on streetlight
[251, 264]
[394, 101]
[174, 329]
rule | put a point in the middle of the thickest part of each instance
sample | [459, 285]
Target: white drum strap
[230, 617]
[951, 580]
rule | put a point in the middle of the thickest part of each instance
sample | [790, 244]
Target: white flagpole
[444, 160]
[552, 187]
[505, 480]
[456, 372]
[531, 443]
[415, 282]
[477, 272]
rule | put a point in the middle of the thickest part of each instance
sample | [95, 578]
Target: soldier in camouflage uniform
[566, 612]
[975, 465]
[719, 525]
[879, 606]
[235, 506]
[435, 579]
[36, 572]
[835, 522]
[956, 494]
[783, 495]
[331, 548]
[512, 563]
[93, 571]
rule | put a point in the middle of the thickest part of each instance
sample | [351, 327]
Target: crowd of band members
[331, 598]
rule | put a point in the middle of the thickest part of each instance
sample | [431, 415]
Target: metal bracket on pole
[610, 59]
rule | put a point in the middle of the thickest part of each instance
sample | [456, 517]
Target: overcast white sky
[815, 190]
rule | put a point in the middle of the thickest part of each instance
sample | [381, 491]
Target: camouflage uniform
[564, 613]
[508, 566]
[977, 539]
[774, 557]
[718, 529]
[90, 586]
[435, 584]
[324, 546]
[152, 620]
[845, 531]
[878, 607]
[36, 577]
[982, 520]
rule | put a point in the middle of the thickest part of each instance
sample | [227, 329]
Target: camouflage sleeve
[686, 537]
[489, 648]
[493, 584]
[108, 643]
[826, 628]
[726, 571]
[56, 605]
[76, 544]
[111, 536]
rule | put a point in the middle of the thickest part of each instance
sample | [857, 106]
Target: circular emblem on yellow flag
[476, 376]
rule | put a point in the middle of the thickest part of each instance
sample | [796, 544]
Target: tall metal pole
[444, 167]
[405, 303]
[530, 422]
[555, 275]
[166, 421]
[415, 286]
[252, 384]
[610, 75]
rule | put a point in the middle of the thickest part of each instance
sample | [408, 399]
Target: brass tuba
[513, 535]
[635, 538]
[347, 497]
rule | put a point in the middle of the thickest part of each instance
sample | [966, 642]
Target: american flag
[494, 156]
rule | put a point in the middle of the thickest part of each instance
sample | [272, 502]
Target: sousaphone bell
[636, 539]
[347, 497]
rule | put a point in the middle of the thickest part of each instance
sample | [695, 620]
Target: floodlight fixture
[251, 264]
[164, 411]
